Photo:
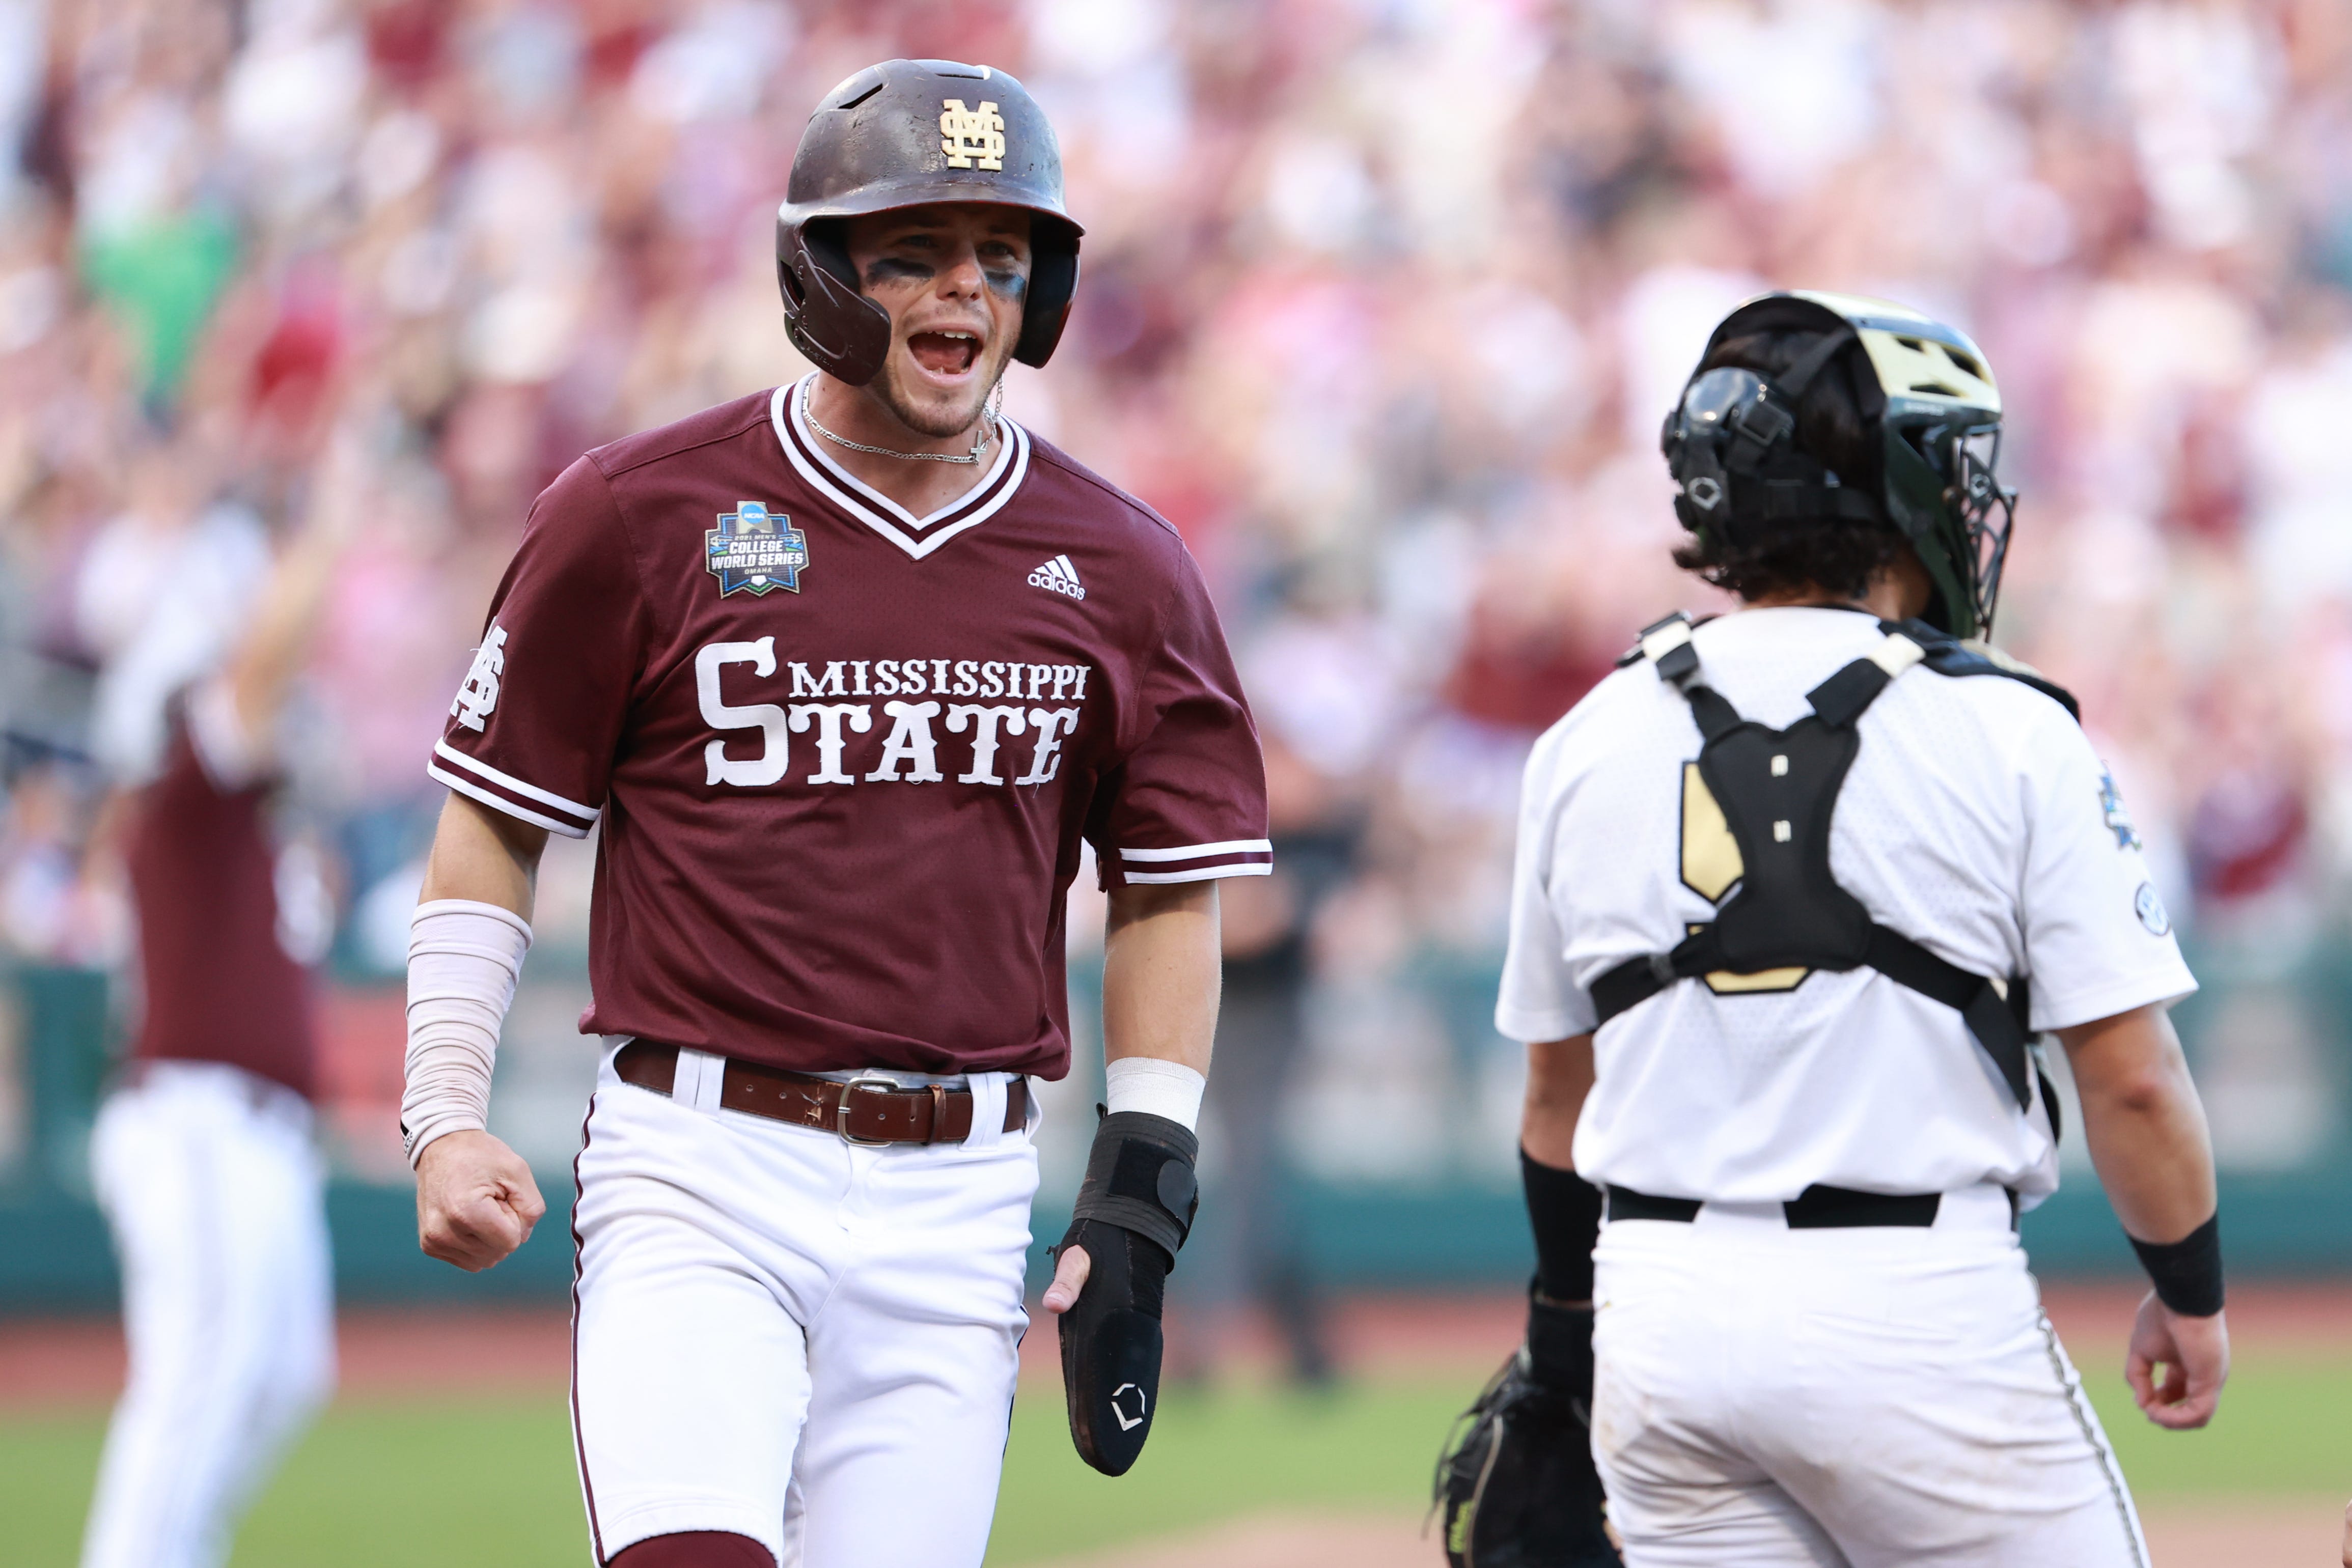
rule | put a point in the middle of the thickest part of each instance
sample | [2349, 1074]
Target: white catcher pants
[785, 1337]
[1823, 1398]
[215, 1195]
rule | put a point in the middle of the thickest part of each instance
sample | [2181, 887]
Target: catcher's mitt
[1516, 1484]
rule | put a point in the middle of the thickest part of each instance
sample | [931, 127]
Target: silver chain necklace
[980, 441]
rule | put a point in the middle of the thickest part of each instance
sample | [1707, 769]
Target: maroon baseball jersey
[219, 985]
[844, 757]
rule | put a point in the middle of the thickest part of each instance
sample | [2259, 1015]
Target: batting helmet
[902, 134]
[1923, 386]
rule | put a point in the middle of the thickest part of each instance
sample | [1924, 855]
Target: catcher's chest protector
[1756, 810]
[1775, 790]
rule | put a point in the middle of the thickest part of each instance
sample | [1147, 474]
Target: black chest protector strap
[1778, 791]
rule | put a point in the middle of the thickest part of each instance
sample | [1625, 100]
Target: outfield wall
[1456, 1223]
[55, 1255]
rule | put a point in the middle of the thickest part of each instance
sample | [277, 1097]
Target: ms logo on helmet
[971, 138]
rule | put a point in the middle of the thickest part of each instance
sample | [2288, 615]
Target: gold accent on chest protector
[1711, 864]
[1711, 861]
[1724, 983]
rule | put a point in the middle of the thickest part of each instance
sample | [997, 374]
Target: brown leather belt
[863, 1111]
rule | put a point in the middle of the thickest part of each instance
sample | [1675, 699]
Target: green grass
[453, 1482]
[445, 1481]
[2284, 1428]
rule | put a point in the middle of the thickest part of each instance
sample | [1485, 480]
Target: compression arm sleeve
[463, 960]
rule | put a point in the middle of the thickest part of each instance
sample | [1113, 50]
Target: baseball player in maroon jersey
[846, 674]
[202, 1155]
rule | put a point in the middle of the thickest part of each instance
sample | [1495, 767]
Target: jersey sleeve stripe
[1200, 872]
[513, 809]
[585, 815]
[1197, 851]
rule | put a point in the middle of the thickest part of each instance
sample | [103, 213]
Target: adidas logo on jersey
[1060, 576]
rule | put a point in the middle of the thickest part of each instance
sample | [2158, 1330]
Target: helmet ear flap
[841, 331]
[1053, 284]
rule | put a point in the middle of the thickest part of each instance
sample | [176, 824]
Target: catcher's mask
[906, 133]
[1729, 443]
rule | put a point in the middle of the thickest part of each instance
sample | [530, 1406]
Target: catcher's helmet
[902, 134]
[1737, 472]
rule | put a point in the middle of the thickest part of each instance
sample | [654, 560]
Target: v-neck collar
[919, 537]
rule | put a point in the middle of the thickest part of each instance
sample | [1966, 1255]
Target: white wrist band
[1147, 1084]
[463, 958]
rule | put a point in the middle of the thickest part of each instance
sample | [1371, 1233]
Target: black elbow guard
[1134, 1211]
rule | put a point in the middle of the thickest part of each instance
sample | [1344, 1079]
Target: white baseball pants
[1828, 1399]
[788, 1337]
[208, 1175]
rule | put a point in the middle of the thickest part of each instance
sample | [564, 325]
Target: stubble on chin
[935, 420]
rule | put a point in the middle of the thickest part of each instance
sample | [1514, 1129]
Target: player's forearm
[278, 638]
[287, 617]
[1559, 1076]
[1161, 974]
[1135, 1208]
[466, 949]
[483, 856]
[2144, 1123]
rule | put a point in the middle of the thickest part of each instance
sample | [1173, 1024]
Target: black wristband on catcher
[1133, 1212]
[2187, 1273]
[1564, 1211]
[1559, 1349]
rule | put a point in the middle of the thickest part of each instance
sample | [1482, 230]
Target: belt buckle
[873, 1083]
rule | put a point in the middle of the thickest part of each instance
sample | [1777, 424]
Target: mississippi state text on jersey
[844, 757]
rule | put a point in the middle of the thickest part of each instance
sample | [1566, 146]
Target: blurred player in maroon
[845, 674]
[202, 1154]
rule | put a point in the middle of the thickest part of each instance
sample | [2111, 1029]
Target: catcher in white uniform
[1797, 891]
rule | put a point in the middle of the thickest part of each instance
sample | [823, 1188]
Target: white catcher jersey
[1977, 820]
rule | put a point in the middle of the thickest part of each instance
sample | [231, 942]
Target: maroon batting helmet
[902, 134]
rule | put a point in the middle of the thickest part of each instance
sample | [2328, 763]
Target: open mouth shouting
[948, 354]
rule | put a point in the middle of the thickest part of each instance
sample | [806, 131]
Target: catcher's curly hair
[1837, 556]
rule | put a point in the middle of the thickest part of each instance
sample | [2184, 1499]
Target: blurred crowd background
[1383, 302]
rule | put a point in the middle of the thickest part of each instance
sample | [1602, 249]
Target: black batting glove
[1134, 1211]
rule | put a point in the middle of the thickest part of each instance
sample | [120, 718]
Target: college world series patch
[753, 549]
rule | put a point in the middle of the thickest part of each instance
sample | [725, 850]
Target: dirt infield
[78, 1361]
[58, 1361]
[2287, 1535]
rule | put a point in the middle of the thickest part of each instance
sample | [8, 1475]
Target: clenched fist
[475, 1200]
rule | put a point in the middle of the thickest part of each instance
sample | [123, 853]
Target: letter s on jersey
[766, 717]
